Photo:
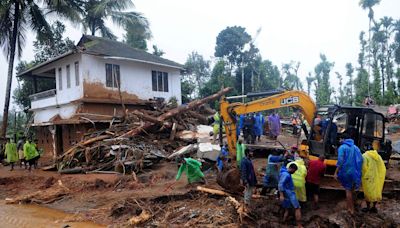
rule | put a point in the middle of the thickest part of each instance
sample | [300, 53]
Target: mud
[114, 199]
[98, 91]
[27, 216]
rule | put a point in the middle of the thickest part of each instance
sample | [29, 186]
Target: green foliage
[292, 80]
[341, 98]
[137, 35]
[310, 79]
[322, 73]
[197, 72]
[45, 50]
[230, 44]
[349, 98]
[157, 51]
[187, 89]
[96, 12]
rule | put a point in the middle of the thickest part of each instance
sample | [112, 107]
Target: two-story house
[91, 82]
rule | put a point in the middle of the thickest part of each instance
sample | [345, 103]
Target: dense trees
[15, 18]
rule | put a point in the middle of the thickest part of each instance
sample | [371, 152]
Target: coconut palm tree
[96, 12]
[368, 4]
[16, 17]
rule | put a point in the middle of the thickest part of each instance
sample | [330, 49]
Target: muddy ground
[111, 200]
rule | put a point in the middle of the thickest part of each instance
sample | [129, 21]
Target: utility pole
[242, 79]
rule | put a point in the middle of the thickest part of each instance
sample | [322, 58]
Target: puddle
[27, 216]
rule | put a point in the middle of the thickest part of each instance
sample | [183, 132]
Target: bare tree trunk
[10, 71]
[176, 111]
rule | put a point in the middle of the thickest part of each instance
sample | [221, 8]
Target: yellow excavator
[364, 123]
[326, 124]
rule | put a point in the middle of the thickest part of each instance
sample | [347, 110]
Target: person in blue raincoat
[287, 195]
[348, 168]
[259, 125]
[222, 158]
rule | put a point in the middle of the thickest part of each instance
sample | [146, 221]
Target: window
[77, 73]
[68, 77]
[159, 81]
[60, 79]
[373, 125]
[113, 78]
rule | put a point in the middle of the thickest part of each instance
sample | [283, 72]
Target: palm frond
[70, 9]
[38, 22]
[112, 5]
[106, 32]
[124, 18]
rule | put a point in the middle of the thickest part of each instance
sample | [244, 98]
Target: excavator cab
[362, 124]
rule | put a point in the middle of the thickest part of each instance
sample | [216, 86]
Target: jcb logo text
[290, 100]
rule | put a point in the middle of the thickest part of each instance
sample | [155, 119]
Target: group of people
[252, 126]
[25, 153]
[294, 180]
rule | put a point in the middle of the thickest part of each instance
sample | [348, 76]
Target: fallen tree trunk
[177, 111]
[212, 191]
[84, 143]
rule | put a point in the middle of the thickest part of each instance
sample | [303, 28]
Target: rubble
[143, 138]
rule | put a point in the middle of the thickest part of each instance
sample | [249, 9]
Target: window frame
[159, 81]
[77, 78]
[60, 84]
[113, 75]
[68, 70]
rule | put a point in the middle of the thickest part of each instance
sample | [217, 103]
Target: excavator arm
[294, 98]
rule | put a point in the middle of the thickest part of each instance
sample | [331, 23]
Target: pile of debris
[143, 138]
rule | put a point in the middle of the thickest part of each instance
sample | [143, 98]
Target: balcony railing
[43, 95]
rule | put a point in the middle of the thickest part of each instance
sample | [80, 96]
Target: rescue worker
[217, 119]
[11, 153]
[248, 177]
[259, 125]
[295, 122]
[240, 150]
[191, 167]
[299, 180]
[20, 149]
[31, 154]
[348, 170]
[222, 158]
[248, 128]
[316, 170]
[287, 195]
[274, 124]
[271, 177]
[373, 178]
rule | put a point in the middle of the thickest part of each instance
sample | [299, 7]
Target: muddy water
[27, 216]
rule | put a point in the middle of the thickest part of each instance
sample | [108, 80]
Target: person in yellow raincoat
[372, 177]
[11, 153]
[299, 180]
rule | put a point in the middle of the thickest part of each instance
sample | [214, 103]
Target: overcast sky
[296, 30]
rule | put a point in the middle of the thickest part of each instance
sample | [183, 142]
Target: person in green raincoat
[191, 167]
[11, 153]
[373, 175]
[299, 180]
[30, 153]
[240, 148]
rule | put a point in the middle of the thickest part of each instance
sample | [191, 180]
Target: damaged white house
[85, 88]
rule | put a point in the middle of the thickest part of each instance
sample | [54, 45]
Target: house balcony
[43, 99]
